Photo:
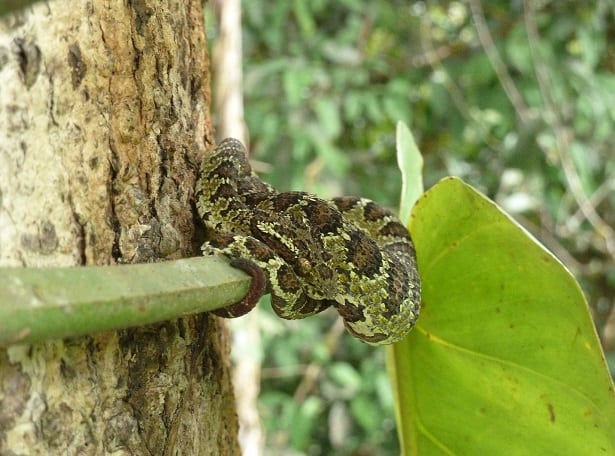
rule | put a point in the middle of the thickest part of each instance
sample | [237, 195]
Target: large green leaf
[504, 358]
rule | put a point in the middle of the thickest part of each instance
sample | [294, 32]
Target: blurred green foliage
[517, 98]
[322, 391]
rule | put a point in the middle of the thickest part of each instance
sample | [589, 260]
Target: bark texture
[104, 117]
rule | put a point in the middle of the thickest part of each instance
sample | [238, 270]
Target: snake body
[309, 253]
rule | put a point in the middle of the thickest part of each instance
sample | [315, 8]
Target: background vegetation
[515, 97]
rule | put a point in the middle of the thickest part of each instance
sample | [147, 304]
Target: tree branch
[46, 303]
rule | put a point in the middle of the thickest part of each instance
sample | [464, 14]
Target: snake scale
[309, 253]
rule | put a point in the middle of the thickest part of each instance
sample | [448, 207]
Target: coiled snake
[309, 253]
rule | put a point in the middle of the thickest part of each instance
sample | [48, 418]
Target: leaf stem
[45, 303]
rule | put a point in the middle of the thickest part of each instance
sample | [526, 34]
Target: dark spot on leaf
[551, 412]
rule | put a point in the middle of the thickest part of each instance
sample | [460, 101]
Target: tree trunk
[104, 117]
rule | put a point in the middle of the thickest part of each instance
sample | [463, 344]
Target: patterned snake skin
[309, 253]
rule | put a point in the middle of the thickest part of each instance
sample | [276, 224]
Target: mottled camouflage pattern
[349, 253]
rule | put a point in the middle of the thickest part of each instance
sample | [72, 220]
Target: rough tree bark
[104, 117]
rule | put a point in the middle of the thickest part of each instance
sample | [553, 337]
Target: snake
[309, 253]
